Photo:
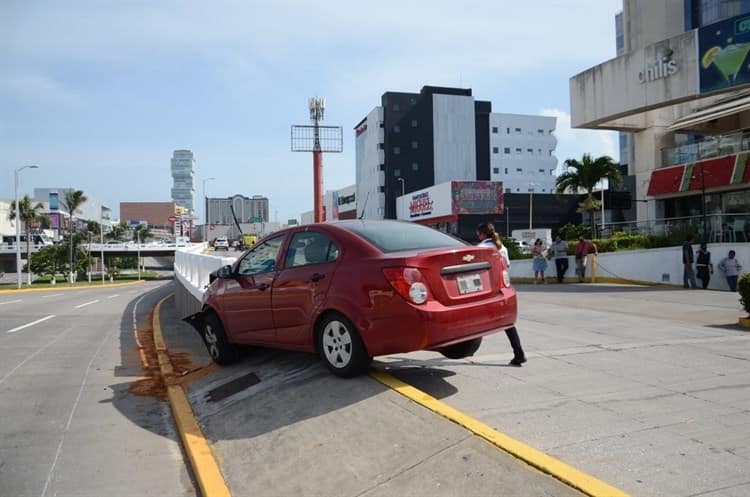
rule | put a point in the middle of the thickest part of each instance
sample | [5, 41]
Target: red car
[351, 290]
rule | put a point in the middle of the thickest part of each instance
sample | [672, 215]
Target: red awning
[715, 172]
[666, 180]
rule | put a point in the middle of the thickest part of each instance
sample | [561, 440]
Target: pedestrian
[560, 250]
[540, 262]
[583, 249]
[703, 266]
[488, 237]
[731, 269]
[688, 274]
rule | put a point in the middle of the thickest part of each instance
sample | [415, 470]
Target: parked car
[522, 246]
[221, 243]
[351, 290]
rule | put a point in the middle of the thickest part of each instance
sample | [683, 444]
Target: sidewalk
[291, 428]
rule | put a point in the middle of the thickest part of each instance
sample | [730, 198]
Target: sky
[100, 93]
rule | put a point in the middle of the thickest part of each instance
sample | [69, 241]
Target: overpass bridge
[154, 255]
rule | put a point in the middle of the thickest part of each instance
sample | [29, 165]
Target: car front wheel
[461, 349]
[218, 346]
[341, 348]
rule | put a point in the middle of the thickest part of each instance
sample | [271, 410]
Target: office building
[247, 209]
[680, 87]
[183, 172]
[413, 141]
[155, 214]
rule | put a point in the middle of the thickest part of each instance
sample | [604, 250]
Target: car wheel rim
[211, 341]
[337, 344]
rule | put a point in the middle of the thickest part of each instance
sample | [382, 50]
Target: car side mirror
[224, 272]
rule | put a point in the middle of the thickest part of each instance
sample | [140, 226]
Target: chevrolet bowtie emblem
[468, 258]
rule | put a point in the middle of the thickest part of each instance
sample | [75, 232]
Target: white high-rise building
[523, 152]
[183, 167]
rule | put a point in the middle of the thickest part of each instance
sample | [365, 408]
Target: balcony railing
[719, 227]
[713, 146]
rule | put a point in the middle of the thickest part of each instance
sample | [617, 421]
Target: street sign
[256, 219]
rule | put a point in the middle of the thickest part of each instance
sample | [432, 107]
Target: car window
[394, 236]
[262, 258]
[310, 247]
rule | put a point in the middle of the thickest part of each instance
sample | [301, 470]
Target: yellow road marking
[202, 461]
[548, 464]
[61, 287]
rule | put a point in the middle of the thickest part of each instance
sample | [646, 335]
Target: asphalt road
[70, 427]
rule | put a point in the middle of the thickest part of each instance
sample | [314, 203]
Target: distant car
[351, 290]
[221, 243]
[523, 246]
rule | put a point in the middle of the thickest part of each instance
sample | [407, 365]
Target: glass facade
[183, 190]
[699, 13]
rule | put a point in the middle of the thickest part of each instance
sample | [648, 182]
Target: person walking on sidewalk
[703, 266]
[488, 237]
[731, 269]
[688, 274]
[560, 250]
[583, 249]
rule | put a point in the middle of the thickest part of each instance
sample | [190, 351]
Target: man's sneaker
[517, 362]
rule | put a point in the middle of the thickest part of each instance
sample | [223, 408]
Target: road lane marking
[87, 303]
[53, 295]
[38, 351]
[11, 302]
[31, 324]
[567, 474]
[113, 296]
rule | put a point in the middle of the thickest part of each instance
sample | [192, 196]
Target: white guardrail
[192, 267]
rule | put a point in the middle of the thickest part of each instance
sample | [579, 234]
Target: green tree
[72, 201]
[118, 232]
[49, 260]
[584, 176]
[28, 213]
[142, 232]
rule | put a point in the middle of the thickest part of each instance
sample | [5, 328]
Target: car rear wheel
[341, 348]
[462, 349]
[218, 346]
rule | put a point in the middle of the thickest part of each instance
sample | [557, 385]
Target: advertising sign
[54, 203]
[477, 197]
[722, 52]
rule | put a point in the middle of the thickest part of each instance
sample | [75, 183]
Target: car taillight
[506, 278]
[409, 283]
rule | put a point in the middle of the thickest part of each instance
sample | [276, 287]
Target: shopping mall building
[679, 93]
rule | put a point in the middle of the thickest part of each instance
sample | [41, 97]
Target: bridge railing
[192, 268]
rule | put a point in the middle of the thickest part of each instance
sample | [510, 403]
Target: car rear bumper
[433, 325]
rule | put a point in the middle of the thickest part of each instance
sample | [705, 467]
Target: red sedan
[355, 289]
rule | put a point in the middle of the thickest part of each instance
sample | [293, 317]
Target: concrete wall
[655, 265]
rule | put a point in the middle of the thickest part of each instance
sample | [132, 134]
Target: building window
[519, 170]
[397, 129]
[540, 151]
[506, 170]
[550, 153]
[518, 150]
[381, 146]
[414, 166]
[381, 167]
[496, 170]
[507, 131]
[551, 172]
[494, 129]
[543, 190]
[413, 100]
[397, 172]
[541, 171]
[396, 108]
[413, 123]
[381, 124]
[506, 150]
[495, 150]
[518, 131]
[530, 150]
[382, 189]
[518, 189]
[540, 131]
[396, 150]
[508, 190]
[414, 145]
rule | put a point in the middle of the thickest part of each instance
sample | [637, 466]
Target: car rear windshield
[400, 236]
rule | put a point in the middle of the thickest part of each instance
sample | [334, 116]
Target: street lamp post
[138, 260]
[18, 224]
[602, 208]
[703, 205]
[205, 209]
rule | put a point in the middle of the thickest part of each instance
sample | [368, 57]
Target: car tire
[341, 347]
[462, 349]
[215, 338]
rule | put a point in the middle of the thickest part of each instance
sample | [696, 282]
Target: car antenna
[364, 205]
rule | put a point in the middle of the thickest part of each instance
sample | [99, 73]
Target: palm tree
[142, 233]
[72, 201]
[28, 213]
[585, 175]
[118, 231]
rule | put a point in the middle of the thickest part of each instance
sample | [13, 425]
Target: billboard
[54, 203]
[477, 197]
[452, 198]
[722, 54]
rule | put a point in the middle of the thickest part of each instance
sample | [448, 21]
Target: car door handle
[263, 286]
[317, 277]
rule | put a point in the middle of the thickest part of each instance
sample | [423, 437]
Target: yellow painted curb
[66, 288]
[548, 464]
[202, 461]
[745, 322]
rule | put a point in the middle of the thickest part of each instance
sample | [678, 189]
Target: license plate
[469, 283]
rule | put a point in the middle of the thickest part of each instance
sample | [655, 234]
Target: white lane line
[87, 303]
[113, 296]
[11, 302]
[38, 351]
[31, 324]
[53, 295]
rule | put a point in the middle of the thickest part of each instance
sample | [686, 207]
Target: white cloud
[573, 143]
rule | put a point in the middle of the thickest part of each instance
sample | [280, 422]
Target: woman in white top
[489, 237]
